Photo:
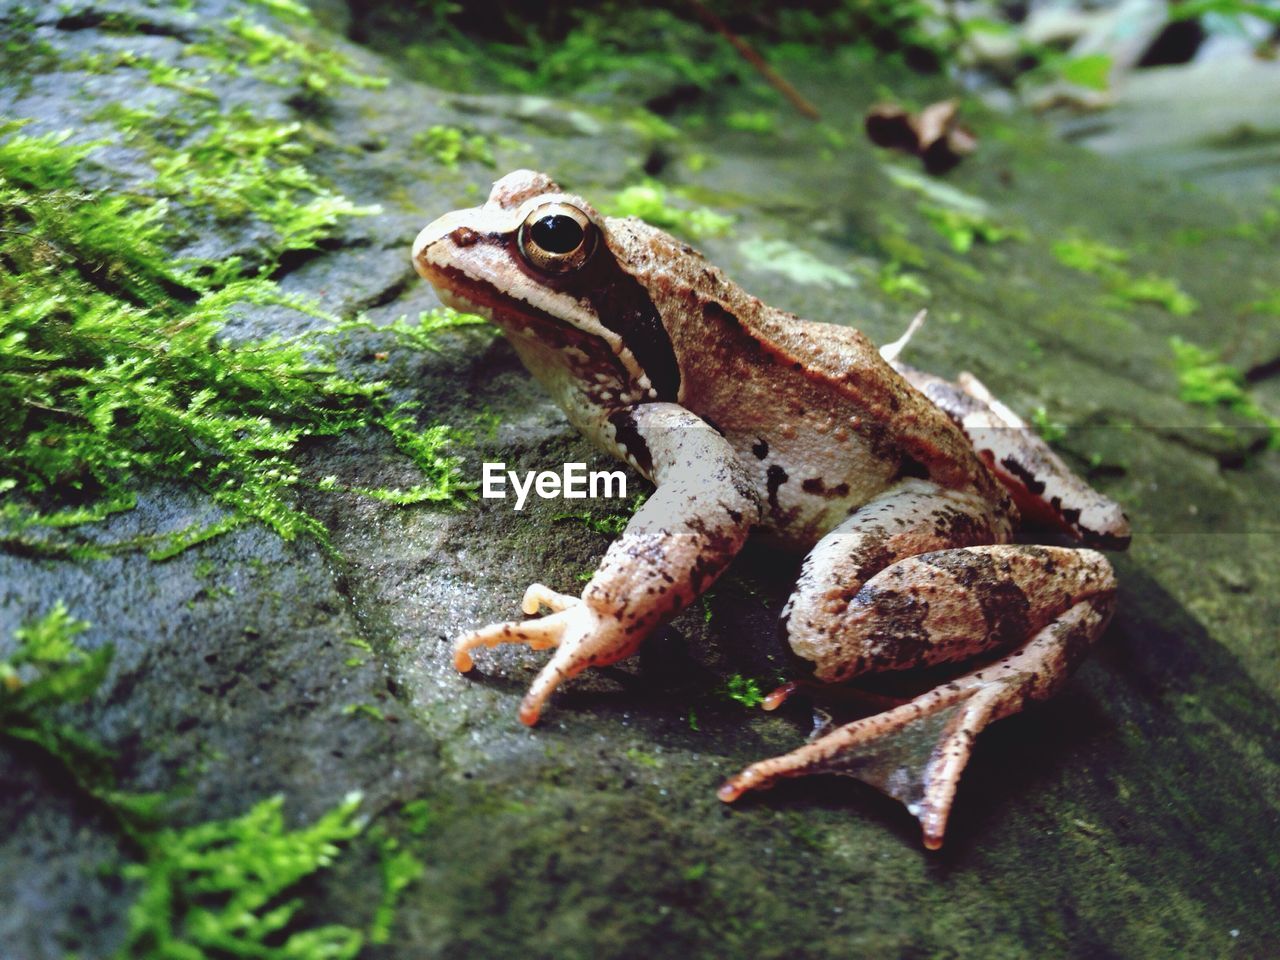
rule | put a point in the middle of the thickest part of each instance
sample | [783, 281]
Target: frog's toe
[536, 634]
[538, 596]
[589, 638]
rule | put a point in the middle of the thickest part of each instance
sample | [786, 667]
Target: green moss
[1268, 304]
[695, 872]
[1233, 9]
[900, 285]
[1109, 264]
[419, 817]
[46, 670]
[604, 44]
[744, 690]
[208, 891]
[896, 245]
[364, 709]
[649, 201]
[449, 146]
[286, 9]
[1050, 430]
[643, 759]
[399, 868]
[609, 523]
[113, 372]
[1203, 379]
[963, 228]
[246, 46]
[1092, 71]
[217, 889]
[761, 122]
[654, 129]
[1161, 291]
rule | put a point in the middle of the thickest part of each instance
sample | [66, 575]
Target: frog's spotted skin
[911, 518]
[899, 485]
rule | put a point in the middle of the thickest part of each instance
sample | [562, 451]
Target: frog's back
[800, 397]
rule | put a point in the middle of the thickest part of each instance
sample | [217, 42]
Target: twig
[758, 62]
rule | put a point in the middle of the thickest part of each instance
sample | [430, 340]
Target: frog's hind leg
[913, 517]
[1057, 600]
[1045, 489]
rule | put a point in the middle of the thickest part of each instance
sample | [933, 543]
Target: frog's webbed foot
[916, 752]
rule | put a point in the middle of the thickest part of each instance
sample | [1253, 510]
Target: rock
[1133, 815]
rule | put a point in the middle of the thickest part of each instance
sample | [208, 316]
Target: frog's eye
[557, 238]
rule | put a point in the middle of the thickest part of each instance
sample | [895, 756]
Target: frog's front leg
[1051, 602]
[672, 550]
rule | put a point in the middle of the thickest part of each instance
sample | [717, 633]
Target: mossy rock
[1133, 815]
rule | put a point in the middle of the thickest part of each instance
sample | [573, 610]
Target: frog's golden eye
[557, 238]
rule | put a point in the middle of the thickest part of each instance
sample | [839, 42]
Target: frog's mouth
[458, 289]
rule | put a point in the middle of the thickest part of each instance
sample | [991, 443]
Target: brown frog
[904, 489]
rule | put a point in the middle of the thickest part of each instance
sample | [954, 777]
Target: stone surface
[1134, 815]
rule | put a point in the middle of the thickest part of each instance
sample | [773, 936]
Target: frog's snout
[427, 237]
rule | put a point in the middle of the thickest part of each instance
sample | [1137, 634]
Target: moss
[399, 868]
[364, 709]
[896, 245]
[1204, 380]
[215, 889]
[1268, 304]
[112, 368]
[596, 46]
[649, 201]
[1109, 263]
[210, 890]
[449, 146]
[1050, 430]
[963, 228]
[760, 122]
[47, 670]
[611, 524]
[1160, 291]
[244, 45]
[744, 690]
[901, 286]
[418, 816]
[643, 759]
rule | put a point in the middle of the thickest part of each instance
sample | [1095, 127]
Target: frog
[905, 493]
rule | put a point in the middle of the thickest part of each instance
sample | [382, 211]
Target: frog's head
[541, 263]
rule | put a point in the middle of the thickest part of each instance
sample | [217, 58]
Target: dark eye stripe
[624, 307]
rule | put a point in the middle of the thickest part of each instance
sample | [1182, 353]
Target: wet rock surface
[1134, 815]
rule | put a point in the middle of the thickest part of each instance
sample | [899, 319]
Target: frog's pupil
[557, 233]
